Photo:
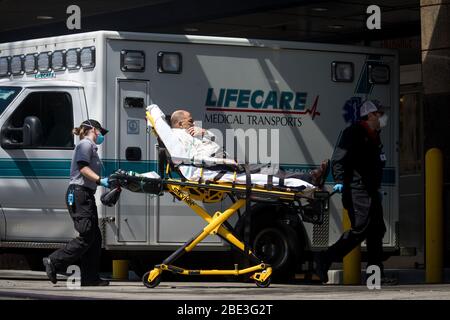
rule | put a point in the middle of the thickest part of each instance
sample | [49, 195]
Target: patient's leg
[316, 177]
[305, 176]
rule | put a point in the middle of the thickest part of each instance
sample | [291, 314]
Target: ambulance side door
[35, 174]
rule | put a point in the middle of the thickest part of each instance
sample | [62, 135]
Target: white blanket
[180, 155]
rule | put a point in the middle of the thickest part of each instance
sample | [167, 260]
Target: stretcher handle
[332, 194]
[329, 195]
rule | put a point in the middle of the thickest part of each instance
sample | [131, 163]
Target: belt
[81, 188]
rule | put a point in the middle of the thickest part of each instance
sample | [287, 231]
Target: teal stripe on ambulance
[35, 168]
[60, 168]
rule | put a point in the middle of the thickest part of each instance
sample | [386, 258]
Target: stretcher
[311, 203]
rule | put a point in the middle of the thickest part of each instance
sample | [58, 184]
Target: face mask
[100, 139]
[383, 120]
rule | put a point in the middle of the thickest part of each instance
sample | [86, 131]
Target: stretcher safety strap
[219, 175]
[201, 175]
[234, 180]
[269, 182]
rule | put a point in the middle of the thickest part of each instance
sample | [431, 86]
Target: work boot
[322, 264]
[50, 269]
[95, 283]
[319, 175]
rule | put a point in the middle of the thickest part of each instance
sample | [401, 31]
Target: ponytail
[80, 131]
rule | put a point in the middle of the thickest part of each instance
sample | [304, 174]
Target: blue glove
[104, 182]
[338, 187]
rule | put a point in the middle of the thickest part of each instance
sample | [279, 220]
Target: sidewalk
[404, 276]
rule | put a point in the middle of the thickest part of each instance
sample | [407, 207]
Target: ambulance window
[7, 94]
[55, 112]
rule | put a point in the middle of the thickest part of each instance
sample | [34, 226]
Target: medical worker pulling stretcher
[85, 173]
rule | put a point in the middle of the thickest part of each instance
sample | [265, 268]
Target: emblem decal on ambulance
[45, 75]
[350, 110]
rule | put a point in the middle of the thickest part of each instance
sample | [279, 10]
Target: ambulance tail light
[30, 63]
[169, 62]
[132, 60]
[17, 67]
[73, 59]
[5, 66]
[59, 60]
[342, 71]
[87, 57]
[44, 62]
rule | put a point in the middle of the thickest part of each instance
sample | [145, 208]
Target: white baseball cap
[369, 106]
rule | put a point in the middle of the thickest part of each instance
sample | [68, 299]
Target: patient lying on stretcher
[184, 140]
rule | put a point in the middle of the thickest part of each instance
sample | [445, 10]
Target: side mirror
[32, 132]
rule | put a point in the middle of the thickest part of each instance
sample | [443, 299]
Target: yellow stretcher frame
[191, 191]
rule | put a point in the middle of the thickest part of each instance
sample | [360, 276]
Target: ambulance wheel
[150, 284]
[278, 246]
[265, 283]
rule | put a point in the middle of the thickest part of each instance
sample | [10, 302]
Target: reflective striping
[36, 245]
[321, 233]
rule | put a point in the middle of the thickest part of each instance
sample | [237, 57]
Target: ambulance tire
[278, 245]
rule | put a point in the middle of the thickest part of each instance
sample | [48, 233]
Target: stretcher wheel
[150, 284]
[265, 283]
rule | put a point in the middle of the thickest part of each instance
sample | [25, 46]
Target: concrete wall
[435, 25]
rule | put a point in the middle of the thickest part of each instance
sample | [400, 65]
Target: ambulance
[303, 94]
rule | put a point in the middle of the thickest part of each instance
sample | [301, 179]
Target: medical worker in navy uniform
[85, 176]
[357, 167]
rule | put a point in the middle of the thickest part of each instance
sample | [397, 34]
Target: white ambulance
[307, 92]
